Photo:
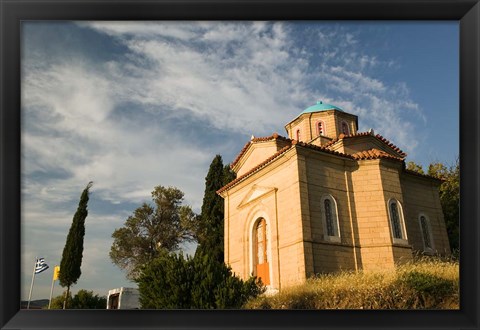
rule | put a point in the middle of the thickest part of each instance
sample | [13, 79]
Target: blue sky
[133, 105]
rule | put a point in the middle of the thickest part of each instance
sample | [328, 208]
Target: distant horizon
[133, 105]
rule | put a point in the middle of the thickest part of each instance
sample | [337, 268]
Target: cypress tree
[228, 175]
[73, 251]
[210, 236]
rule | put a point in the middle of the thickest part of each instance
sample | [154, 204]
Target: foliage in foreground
[427, 284]
[82, 300]
[172, 281]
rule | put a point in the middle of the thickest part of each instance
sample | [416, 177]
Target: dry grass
[424, 284]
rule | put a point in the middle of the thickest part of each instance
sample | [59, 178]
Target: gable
[256, 151]
[255, 193]
[354, 144]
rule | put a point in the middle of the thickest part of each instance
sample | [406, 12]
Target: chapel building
[324, 199]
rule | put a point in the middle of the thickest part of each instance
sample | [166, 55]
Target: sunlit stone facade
[327, 198]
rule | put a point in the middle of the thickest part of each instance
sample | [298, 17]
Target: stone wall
[277, 199]
[421, 196]
[288, 194]
[332, 119]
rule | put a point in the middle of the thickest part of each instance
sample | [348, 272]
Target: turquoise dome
[320, 106]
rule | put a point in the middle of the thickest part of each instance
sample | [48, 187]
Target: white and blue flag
[40, 266]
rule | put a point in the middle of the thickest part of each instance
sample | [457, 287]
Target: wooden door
[262, 265]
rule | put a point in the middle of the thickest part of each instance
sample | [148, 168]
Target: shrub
[173, 281]
[82, 300]
[426, 283]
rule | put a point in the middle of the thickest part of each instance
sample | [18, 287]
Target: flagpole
[31, 285]
[53, 281]
[51, 290]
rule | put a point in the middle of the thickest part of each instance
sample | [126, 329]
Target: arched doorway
[261, 256]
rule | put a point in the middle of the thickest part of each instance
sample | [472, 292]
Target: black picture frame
[13, 12]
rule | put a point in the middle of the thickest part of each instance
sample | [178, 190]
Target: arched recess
[331, 225]
[345, 129]
[260, 255]
[321, 128]
[260, 247]
[426, 231]
[397, 221]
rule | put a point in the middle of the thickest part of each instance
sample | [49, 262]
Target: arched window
[345, 129]
[260, 253]
[330, 219]
[426, 231]
[320, 128]
[396, 221]
[298, 135]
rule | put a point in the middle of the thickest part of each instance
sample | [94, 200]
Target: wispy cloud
[255, 75]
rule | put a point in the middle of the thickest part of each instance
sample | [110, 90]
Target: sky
[133, 105]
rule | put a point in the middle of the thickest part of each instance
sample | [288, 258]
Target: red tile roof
[343, 136]
[378, 136]
[368, 154]
[272, 137]
[373, 154]
[253, 170]
[391, 145]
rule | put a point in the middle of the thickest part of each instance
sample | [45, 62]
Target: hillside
[34, 304]
[425, 284]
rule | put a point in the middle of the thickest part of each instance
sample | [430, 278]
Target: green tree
[210, 232]
[82, 300]
[172, 281]
[165, 282]
[204, 281]
[449, 198]
[58, 301]
[216, 287]
[228, 174]
[70, 265]
[412, 166]
[87, 300]
[153, 229]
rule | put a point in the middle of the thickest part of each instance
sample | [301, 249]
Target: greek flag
[40, 266]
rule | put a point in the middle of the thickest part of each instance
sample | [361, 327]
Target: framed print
[146, 93]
